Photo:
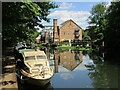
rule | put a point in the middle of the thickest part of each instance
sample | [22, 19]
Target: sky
[77, 11]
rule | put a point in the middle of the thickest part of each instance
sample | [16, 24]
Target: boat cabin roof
[25, 50]
[34, 53]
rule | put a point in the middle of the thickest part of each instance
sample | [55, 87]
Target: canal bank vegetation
[64, 42]
[74, 47]
[104, 27]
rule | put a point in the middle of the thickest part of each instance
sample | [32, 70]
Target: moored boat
[34, 67]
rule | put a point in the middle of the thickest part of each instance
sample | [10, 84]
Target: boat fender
[21, 77]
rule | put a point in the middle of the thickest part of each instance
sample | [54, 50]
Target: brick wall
[67, 31]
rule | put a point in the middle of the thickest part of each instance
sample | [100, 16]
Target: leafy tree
[112, 34]
[98, 22]
[20, 18]
[106, 25]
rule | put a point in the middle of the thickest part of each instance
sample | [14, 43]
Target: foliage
[112, 34]
[98, 22]
[76, 42]
[20, 18]
[85, 36]
[66, 47]
[64, 42]
[74, 47]
[106, 25]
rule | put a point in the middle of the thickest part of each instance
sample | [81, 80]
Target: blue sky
[77, 11]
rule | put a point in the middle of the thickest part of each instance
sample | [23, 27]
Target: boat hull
[33, 67]
[37, 82]
[33, 81]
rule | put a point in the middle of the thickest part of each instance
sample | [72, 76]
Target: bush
[64, 42]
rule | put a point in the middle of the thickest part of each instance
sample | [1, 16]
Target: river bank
[8, 77]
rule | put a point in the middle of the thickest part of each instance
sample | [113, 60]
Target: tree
[112, 34]
[20, 18]
[98, 23]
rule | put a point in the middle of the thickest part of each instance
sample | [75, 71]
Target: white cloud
[38, 28]
[65, 5]
[62, 69]
[79, 17]
[109, 3]
[86, 61]
[67, 76]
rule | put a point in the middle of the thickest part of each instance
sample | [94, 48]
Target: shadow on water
[33, 87]
[22, 85]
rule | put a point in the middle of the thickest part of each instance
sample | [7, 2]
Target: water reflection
[68, 59]
[87, 69]
[81, 69]
[104, 74]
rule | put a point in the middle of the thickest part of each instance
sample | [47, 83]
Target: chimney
[55, 22]
[56, 38]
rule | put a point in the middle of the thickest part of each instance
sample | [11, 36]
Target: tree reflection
[105, 75]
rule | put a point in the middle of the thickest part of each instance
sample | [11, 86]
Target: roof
[34, 53]
[71, 67]
[25, 50]
[62, 24]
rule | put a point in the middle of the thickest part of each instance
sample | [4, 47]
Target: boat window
[35, 70]
[30, 58]
[41, 57]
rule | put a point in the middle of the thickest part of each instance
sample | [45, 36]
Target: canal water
[80, 69]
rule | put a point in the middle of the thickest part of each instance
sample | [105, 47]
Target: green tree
[98, 23]
[112, 34]
[20, 18]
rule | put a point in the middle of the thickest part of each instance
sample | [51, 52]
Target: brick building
[47, 33]
[63, 32]
[66, 30]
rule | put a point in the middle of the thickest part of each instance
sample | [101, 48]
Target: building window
[64, 33]
[64, 38]
[69, 58]
[73, 57]
[64, 27]
[64, 57]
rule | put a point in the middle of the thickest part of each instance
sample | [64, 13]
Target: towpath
[8, 77]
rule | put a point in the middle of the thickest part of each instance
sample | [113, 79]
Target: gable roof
[71, 67]
[62, 24]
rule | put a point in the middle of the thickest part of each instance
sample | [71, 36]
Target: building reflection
[68, 59]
